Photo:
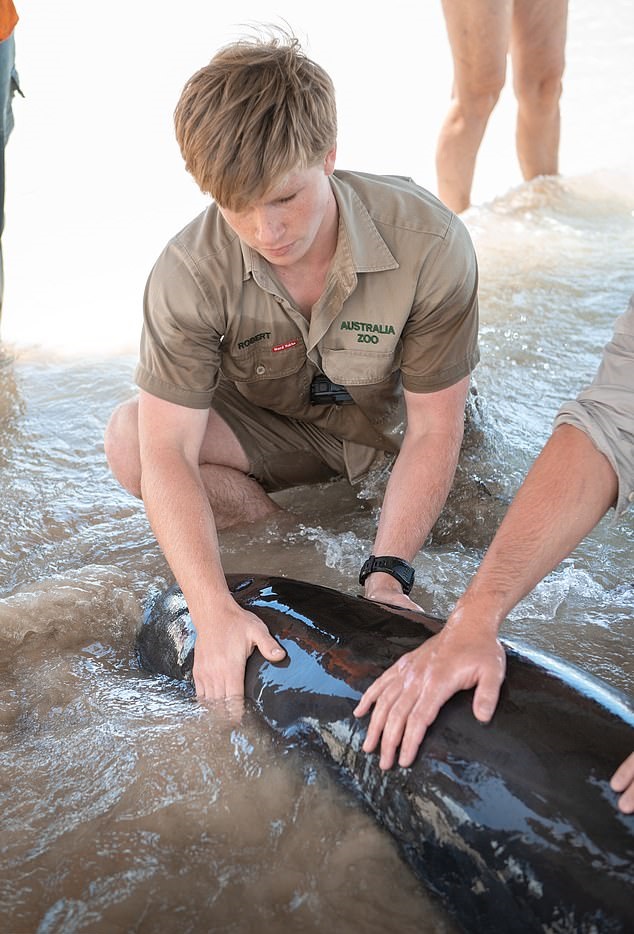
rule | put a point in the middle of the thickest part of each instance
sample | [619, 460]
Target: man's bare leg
[233, 495]
[235, 498]
[479, 35]
[538, 39]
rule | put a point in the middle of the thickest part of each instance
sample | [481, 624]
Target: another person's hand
[408, 696]
[623, 782]
[223, 647]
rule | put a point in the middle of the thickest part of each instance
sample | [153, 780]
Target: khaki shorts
[282, 452]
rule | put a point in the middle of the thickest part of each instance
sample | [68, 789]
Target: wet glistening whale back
[514, 824]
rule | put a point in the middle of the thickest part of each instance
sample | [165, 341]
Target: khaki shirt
[605, 410]
[399, 309]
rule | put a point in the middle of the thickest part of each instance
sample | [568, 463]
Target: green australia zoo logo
[369, 333]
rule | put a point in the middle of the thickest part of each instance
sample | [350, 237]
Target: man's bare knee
[540, 95]
[121, 442]
[478, 103]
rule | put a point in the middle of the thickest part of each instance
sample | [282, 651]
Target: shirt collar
[366, 247]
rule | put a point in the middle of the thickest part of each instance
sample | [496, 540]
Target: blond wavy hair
[260, 109]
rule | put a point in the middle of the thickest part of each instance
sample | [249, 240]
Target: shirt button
[631, 497]
[260, 370]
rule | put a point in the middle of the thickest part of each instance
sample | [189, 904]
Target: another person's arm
[182, 520]
[568, 489]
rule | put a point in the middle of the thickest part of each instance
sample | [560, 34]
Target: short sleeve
[440, 339]
[605, 410]
[182, 332]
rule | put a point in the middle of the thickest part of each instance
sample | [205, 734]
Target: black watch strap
[388, 564]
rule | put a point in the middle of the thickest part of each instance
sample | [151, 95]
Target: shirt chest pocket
[263, 361]
[362, 367]
[274, 377]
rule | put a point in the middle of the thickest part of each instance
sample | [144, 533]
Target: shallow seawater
[140, 809]
[129, 806]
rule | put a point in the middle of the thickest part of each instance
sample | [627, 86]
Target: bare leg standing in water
[481, 34]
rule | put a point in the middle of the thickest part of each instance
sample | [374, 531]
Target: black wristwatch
[388, 564]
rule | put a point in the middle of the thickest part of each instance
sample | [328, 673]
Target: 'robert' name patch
[254, 339]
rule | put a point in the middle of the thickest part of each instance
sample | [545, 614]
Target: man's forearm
[182, 520]
[568, 489]
[416, 493]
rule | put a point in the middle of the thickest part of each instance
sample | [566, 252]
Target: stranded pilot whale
[513, 824]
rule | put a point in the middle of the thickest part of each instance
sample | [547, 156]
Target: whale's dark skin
[512, 824]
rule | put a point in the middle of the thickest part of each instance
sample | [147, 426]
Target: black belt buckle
[324, 392]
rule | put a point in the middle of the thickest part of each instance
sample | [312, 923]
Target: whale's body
[514, 824]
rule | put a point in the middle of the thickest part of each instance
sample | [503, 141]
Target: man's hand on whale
[223, 649]
[407, 697]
